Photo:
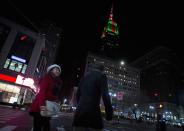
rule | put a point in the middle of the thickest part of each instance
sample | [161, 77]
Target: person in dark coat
[182, 126]
[91, 89]
[161, 124]
[48, 88]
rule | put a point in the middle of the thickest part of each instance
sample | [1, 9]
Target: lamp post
[122, 63]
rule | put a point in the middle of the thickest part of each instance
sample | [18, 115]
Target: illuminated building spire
[111, 14]
[110, 36]
[111, 27]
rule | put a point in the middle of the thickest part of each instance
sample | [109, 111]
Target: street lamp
[151, 107]
[160, 105]
[122, 63]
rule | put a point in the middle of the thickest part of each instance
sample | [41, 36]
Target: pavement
[19, 120]
[14, 119]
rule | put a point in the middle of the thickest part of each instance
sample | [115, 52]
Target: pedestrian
[50, 86]
[92, 87]
[161, 124]
[21, 102]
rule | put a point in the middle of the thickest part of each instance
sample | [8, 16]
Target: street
[19, 120]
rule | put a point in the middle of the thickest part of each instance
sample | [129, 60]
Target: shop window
[24, 69]
[18, 67]
[2, 86]
[7, 63]
[9, 88]
[16, 89]
[15, 66]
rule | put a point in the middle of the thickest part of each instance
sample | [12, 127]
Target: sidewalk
[5, 106]
[10, 106]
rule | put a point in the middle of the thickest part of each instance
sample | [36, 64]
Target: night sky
[143, 25]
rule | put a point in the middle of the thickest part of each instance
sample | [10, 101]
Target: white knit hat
[52, 66]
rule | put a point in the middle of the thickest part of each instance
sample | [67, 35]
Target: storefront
[12, 92]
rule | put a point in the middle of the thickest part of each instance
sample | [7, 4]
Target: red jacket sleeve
[47, 85]
[44, 84]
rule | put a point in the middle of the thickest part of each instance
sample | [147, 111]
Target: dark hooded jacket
[91, 89]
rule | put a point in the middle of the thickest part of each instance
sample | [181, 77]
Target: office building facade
[160, 81]
[123, 81]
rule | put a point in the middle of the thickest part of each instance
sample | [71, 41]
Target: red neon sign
[23, 37]
[7, 78]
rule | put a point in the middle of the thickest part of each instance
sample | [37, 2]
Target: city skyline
[142, 26]
[147, 34]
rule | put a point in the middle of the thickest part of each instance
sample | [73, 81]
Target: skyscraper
[110, 37]
[123, 80]
[160, 74]
[160, 79]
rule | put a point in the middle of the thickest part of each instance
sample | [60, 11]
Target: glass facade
[15, 66]
[123, 81]
[22, 47]
[10, 93]
[20, 53]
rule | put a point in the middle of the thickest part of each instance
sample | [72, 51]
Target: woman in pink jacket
[50, 86]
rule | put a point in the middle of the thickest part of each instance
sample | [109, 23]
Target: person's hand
[43, 108]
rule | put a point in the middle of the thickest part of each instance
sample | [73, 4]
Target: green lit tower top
[110, 35]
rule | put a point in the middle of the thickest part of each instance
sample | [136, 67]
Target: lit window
[24, 69]
[7, 63]
[19, 67]
[13, 65]
[2, 86]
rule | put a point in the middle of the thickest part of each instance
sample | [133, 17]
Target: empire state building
[110, 37]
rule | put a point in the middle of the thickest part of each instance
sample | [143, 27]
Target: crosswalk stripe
[8, 128]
